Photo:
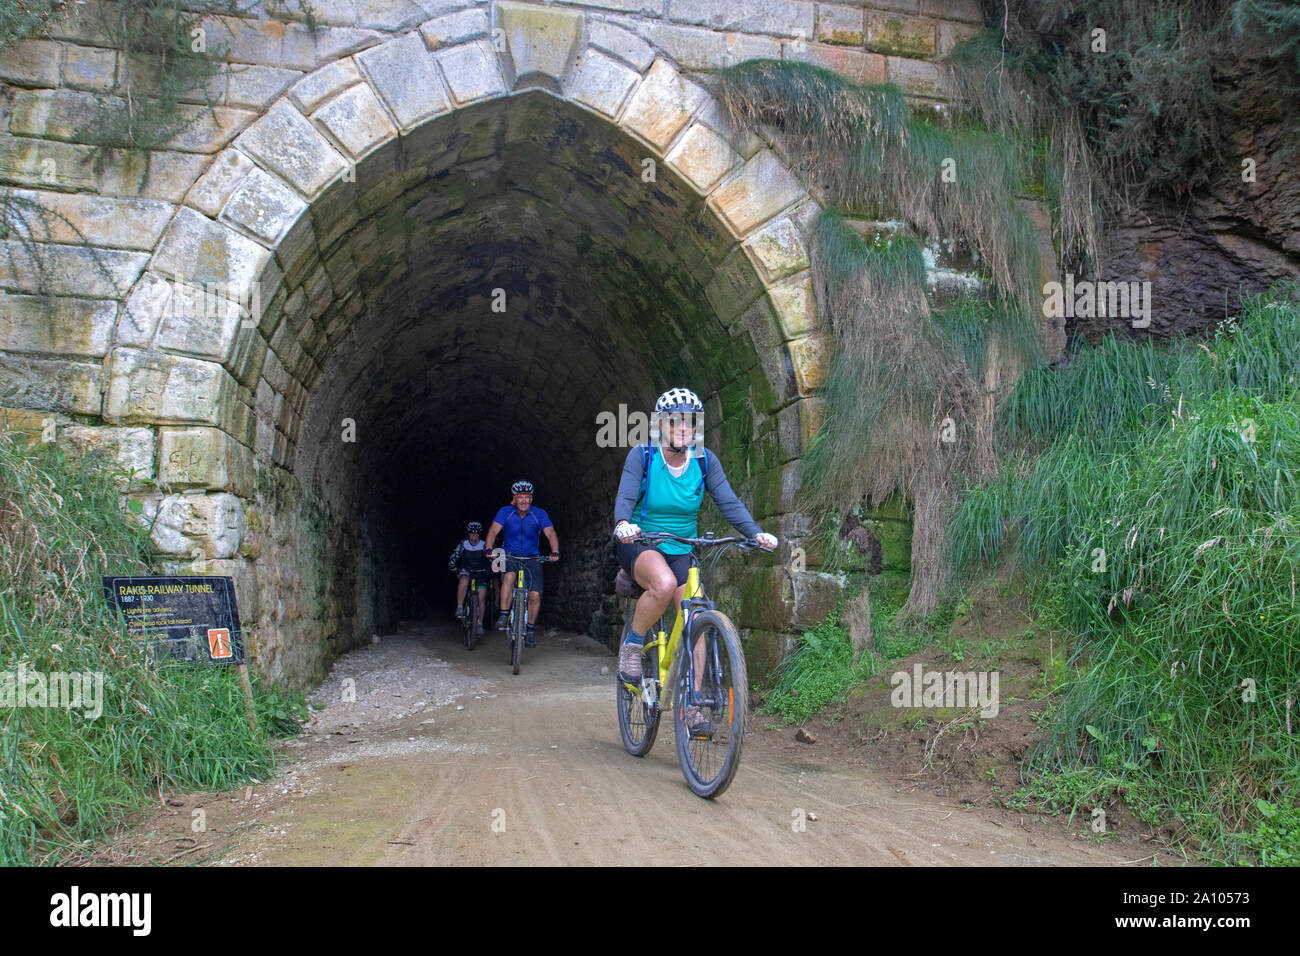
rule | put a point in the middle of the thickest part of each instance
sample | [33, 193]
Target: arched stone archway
[326, 450]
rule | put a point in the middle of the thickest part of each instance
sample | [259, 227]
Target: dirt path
[442, 743]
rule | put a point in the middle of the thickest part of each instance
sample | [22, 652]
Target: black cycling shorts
[532, 572]
[629, 551]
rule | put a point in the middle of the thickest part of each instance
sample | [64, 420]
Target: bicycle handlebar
[652, 537]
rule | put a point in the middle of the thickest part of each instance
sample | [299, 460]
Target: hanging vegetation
[908, 403]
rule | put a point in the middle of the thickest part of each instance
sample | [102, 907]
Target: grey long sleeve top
[715, 482]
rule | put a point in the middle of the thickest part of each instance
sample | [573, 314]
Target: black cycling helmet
[474, 527]
[521, 488]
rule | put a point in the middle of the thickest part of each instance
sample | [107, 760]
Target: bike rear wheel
[709, 758]
[518, 628]
[638, 722]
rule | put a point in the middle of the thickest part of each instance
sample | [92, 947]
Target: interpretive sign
[192, 619]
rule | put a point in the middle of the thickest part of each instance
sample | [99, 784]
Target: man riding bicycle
[663, 488]
[523, 524]
[470, 561]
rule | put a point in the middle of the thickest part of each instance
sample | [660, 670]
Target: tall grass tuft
[64, 778]
[1154, 494]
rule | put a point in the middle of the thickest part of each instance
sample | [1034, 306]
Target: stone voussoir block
[702, 157]
[286, 143]
[201, 251]
[356, 120]
[472, 71]
[456, 27]
[795, 305]
[662, 105]
[226, 171]
[761, 189]
[265, 206]
[778, 249]
[317, 87]
[601, 83]
[402, 72]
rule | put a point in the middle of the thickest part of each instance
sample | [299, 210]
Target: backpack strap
[704, 468]
[646, 454]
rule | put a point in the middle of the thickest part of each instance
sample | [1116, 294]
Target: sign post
[185, 620]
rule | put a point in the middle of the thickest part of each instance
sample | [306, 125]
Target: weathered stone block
[761, 189]
[204, 458]
[662, 105]
[839, 24]
[30, 63]
[69, 270]
[810, 357]
[284, 141]
[210, 524]
[356, 120]
[471, 71]
[100, 221]
[454, 28]
[195, 322]
[131, 449]
[916, 77]
[778, 249]
[201, 251]
[49, 384]
[317, 87]
[403, 73]
[703, 157]
[733, 287]
[263, 205]
[46, 164]
[257, 86]
[601, 83]
[795, 305]
[86, 68]
[786, 18]
[542, 40]
[153, 387]
[622, 43]
[900, 36]
[72, 327]
[216, 184]
[855, 64]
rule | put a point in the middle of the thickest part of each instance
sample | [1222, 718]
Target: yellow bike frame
[669, 644]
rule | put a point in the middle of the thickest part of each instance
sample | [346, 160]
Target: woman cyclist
[662, 489]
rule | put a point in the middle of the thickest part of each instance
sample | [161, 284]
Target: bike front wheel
[709, 724]
[638, 722]
[518, 628]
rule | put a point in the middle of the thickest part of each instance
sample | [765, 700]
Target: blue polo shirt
[520, 534]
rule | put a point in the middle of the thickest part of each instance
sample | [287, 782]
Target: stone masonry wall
[346, 176]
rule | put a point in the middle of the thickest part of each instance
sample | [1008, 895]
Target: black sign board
[182, 619]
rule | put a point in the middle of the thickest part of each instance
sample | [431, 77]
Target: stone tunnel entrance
[445, 314]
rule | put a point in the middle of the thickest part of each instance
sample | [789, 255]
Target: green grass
[66, 779]
[1152, 494]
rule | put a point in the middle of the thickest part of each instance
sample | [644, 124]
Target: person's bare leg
[652, 573]
[534, 605]
[461, 584]
[507, 585]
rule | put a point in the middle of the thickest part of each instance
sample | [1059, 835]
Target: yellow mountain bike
[706, 688]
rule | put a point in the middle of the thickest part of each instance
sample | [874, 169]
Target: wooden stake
[249, 710]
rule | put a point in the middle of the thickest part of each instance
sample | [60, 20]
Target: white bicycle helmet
[679, 401]
[521, 488]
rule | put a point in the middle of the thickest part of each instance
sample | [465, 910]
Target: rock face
[410, 258]
[1234, 236]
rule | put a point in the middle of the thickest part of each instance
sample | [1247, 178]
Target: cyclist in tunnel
[470, 562]
[663, 487]
[523, 525]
